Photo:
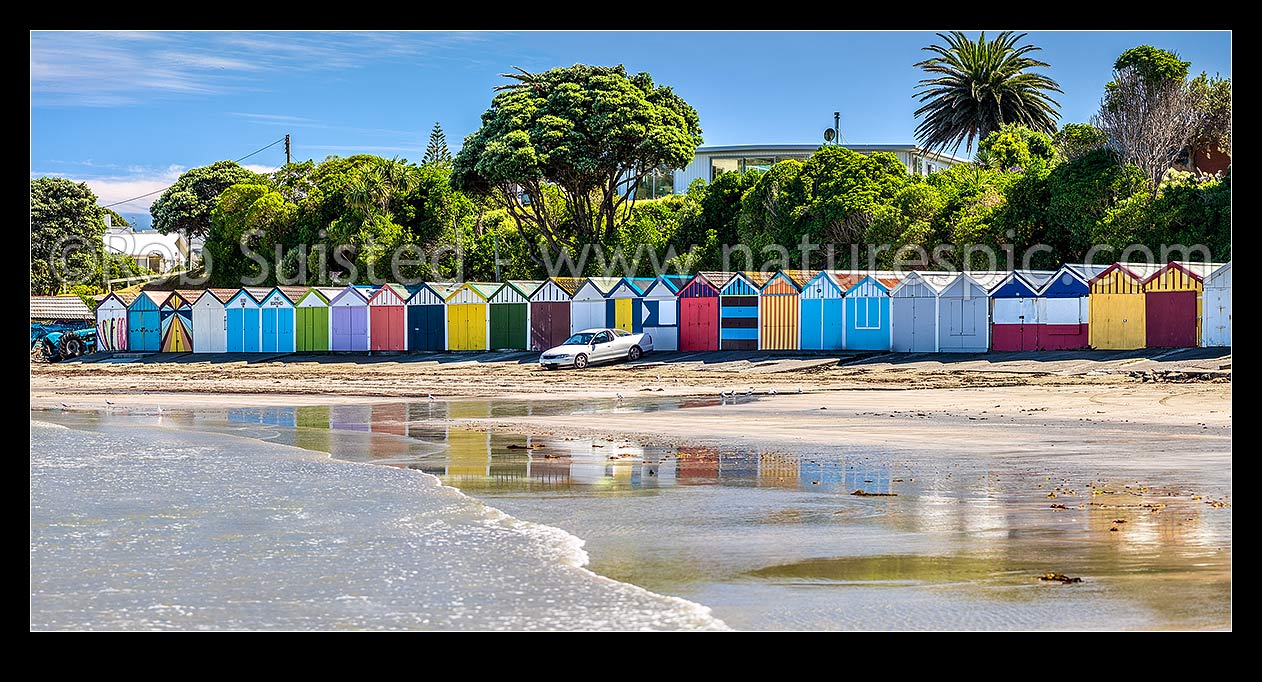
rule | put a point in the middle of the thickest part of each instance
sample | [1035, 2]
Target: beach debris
[1113, 529]
[799, 390]
[1059, 578]
[1218, 504]
[1051, 496]
[823, 408]
[1059, 506]
[863, 493]
[549, 455]
[514, 446]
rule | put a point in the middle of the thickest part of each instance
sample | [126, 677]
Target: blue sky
[128, 111]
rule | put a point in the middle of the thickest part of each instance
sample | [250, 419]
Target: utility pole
[287, 161]
[836, 129]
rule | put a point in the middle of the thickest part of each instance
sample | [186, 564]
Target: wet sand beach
[746, 506]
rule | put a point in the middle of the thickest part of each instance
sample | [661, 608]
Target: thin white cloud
[110, 189]
[110, 68]
[114, 188]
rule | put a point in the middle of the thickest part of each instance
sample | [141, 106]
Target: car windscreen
[579, 340]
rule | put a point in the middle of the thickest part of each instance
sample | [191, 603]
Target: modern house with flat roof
[150, 249]
[711, 162]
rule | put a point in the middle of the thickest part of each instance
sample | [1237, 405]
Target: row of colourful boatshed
[1118, 306]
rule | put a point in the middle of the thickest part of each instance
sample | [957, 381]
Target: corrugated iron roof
[60, 308]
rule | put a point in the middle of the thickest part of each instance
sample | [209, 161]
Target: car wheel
[580, 361]
[70, 346]
[635, 353]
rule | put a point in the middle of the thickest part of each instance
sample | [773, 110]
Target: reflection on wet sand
[756, 534]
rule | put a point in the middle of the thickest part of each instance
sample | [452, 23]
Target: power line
[148, 194]
[261, 149]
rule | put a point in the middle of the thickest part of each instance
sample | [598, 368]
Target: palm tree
[372, 188]
[978, 87]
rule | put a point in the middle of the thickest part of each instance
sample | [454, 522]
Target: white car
[596, 345]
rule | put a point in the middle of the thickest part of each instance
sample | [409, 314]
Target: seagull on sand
[771, 392]
[750, 391]
[430, 396]
[64, 405]
[619, 396]
[799, 390]
[109, 402]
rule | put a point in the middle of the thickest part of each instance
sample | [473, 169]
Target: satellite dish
[829, 134]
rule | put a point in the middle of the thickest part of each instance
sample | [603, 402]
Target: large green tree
[186, 205]
[592, 132]
[830, 198]
[1152, 64]
[975, 87]
[66, 231]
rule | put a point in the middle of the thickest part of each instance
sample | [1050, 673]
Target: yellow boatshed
[1118, 319]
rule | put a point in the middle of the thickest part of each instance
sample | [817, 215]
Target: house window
[757, 163]
[720, 166]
